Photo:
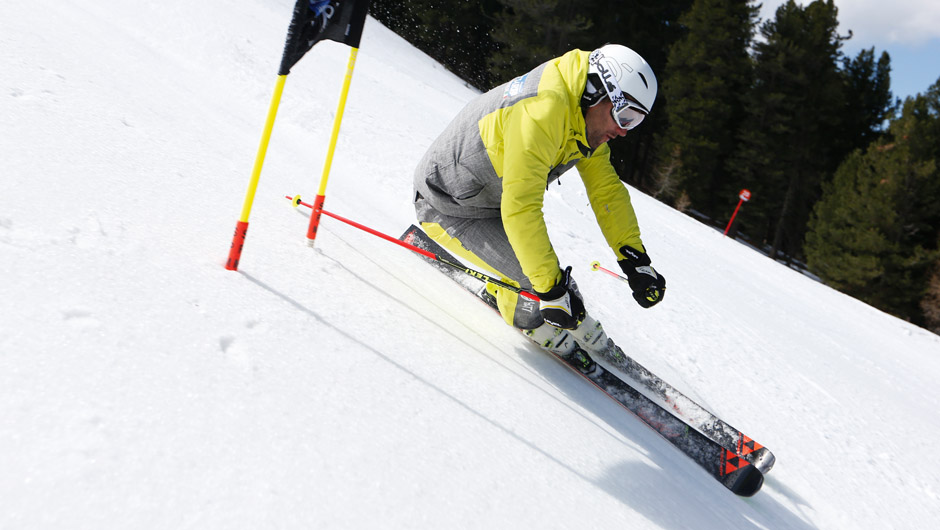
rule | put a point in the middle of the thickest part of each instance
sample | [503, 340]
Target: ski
[691, 412]
[729, 456]
[728, 468]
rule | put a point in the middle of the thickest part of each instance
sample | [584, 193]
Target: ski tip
[747, 482]
[763, 460]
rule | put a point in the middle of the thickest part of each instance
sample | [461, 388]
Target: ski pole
[295, 200]
[651, 293]
[596, 266]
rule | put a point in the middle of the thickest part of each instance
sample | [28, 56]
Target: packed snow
[351, 385]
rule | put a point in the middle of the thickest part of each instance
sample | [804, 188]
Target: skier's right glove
[648, 286]
[562, 306]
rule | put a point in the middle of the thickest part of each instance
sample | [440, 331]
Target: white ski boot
[592, 337]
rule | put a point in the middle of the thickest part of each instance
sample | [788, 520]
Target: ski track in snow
[351, 386]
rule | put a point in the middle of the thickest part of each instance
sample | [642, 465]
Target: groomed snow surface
[142, 385]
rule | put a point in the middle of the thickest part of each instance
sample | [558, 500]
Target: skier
[479, 188]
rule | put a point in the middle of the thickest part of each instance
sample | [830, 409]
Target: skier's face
[600, 125]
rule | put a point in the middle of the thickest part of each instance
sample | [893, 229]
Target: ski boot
[591, 336]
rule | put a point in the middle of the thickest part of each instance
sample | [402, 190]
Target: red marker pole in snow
[317, 209]
[743, 197]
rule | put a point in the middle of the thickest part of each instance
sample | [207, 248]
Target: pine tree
[456, 34]
[868, 101]
[793, 113]
[650, 29]
[530, 32]
[874, 234]
[707, 73]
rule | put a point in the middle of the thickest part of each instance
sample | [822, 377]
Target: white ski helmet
[620, 71]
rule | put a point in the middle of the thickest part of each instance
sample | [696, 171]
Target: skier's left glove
[648, 286]
[562, 306]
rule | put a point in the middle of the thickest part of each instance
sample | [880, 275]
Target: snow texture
[142, 385]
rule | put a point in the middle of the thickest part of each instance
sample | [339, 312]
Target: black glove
[562, 306]
[648, 286]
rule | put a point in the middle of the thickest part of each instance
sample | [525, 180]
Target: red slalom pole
[743, 197]
[295, 200]
[736, 208]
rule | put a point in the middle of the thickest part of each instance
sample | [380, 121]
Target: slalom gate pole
[321, 193]
[736, 208]
[743, 196]
[318, 209]
[241, 227]
[596, 266]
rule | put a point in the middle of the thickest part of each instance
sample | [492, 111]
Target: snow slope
[142, 385]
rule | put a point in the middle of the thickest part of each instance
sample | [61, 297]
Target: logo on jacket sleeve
[514, 87]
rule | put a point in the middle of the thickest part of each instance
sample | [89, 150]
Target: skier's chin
[598, 141]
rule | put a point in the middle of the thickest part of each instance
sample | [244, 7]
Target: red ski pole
[596, 266]
[295, 200]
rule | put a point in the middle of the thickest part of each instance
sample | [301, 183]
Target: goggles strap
[610, 83]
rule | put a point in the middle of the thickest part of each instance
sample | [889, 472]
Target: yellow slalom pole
[321, 194]
[241, 228]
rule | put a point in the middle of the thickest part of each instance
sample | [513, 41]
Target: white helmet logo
[610, 71]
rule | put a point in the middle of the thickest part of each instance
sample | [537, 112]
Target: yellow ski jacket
[531, 130]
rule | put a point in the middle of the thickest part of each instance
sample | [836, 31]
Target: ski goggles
[629, 116]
